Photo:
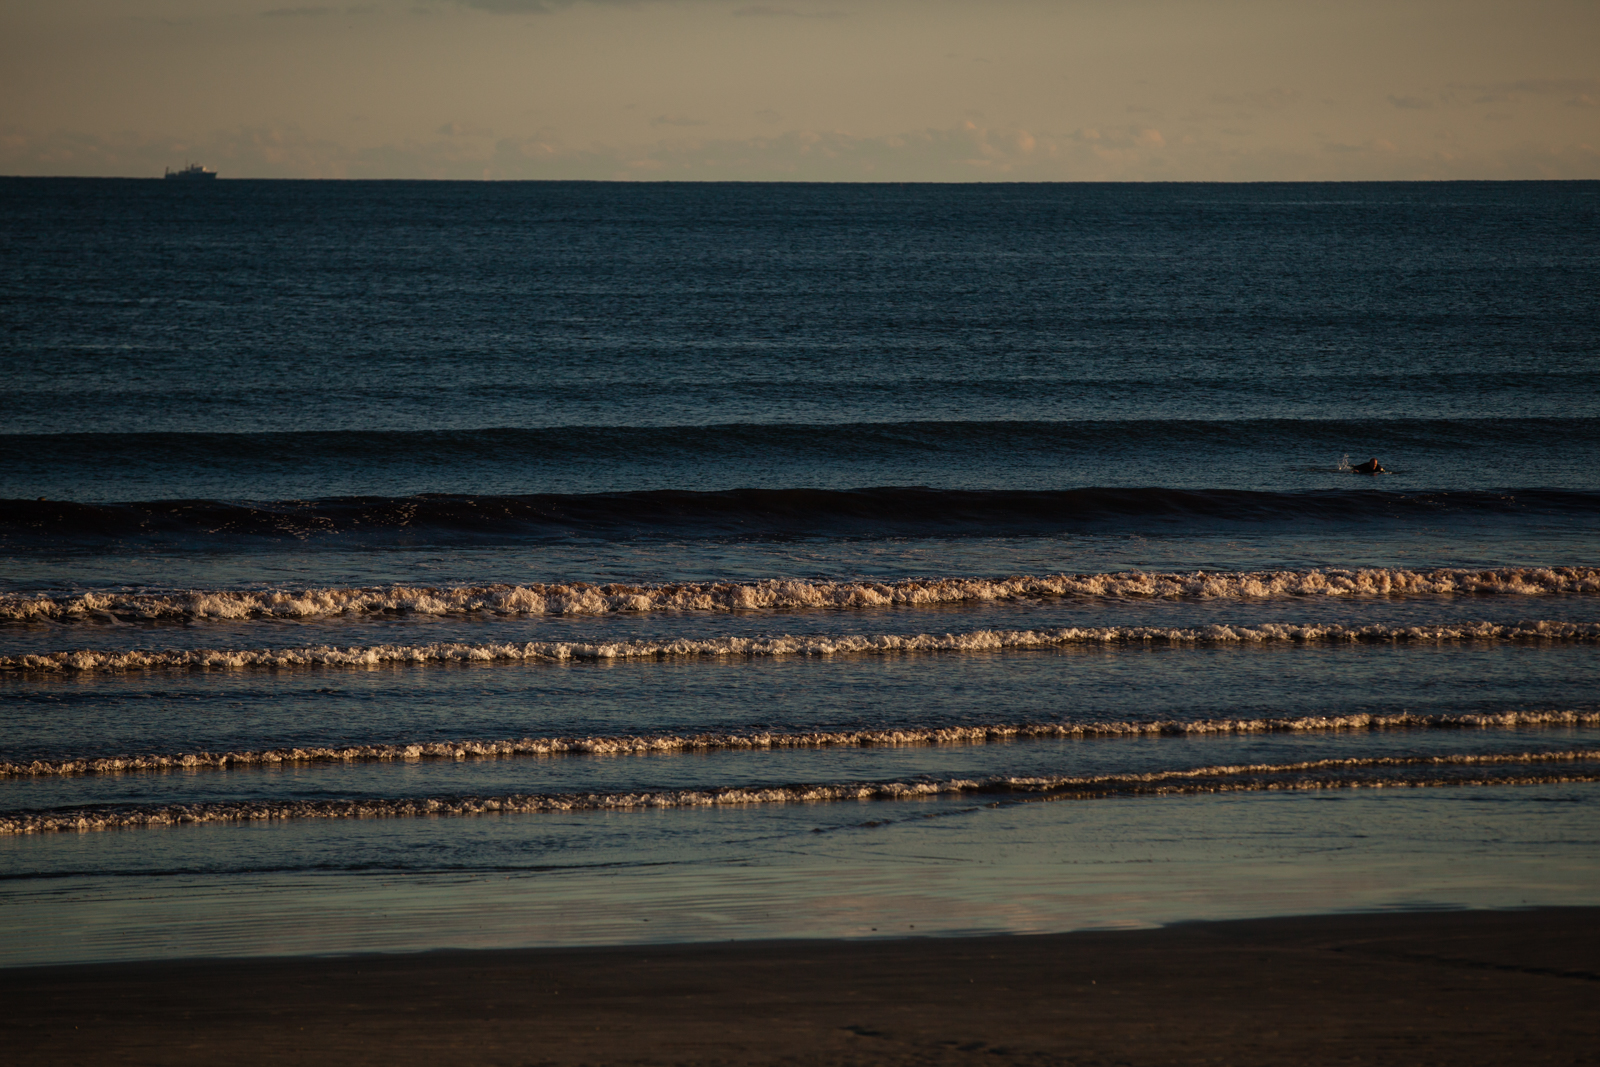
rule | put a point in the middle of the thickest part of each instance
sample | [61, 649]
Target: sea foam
[1357, 773]
[666, 744]
[85, 661]
[786, 594]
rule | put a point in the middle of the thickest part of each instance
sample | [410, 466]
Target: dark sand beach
[1455, 987]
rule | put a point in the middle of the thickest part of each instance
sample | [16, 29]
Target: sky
[832, 90]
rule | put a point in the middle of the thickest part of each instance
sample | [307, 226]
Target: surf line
[666, 744]
[92, 661]
[787, 594]
[1305, 776]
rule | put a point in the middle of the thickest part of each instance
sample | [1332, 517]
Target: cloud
[1126, 137]
[1409, 103]
[970, 151]
[250, 151]
[1270, 99]
[545, 7]
[1553, 86]
[767, 11]
[1501, 92]
[675, 120]
[528, 7]
[515, 7]
[302, 12]
[965, 153]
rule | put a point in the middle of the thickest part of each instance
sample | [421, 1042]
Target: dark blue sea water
[397, 565]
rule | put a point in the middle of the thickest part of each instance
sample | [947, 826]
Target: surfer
[1371, 466]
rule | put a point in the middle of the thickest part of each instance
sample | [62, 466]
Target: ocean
[392, 566]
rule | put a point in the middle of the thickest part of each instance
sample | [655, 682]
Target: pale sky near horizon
[918, 90]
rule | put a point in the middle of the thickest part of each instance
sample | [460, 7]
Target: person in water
[1371, 466]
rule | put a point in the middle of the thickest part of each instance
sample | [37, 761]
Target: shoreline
[1395, 987]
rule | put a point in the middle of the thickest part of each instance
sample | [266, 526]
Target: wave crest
[88, 661]
[1355, 773]
[663, 744]
[582, 598]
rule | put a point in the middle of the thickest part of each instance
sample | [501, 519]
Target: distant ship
[194, 172]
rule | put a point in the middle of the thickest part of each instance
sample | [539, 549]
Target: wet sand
[1413, 988]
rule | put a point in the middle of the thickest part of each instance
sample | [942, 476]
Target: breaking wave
[1360, 773]
[582, 598]
[654, 744]
[796, 594]
[86, 661]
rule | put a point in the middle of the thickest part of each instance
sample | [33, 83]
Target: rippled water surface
[394, 566]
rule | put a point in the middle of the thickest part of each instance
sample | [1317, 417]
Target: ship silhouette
[192, 172]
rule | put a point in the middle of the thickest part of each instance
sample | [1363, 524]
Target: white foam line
[581, 598]
[652, 744]
[1232, 778]
[101, 661]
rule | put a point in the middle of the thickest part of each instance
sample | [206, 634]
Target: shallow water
[927, 868]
